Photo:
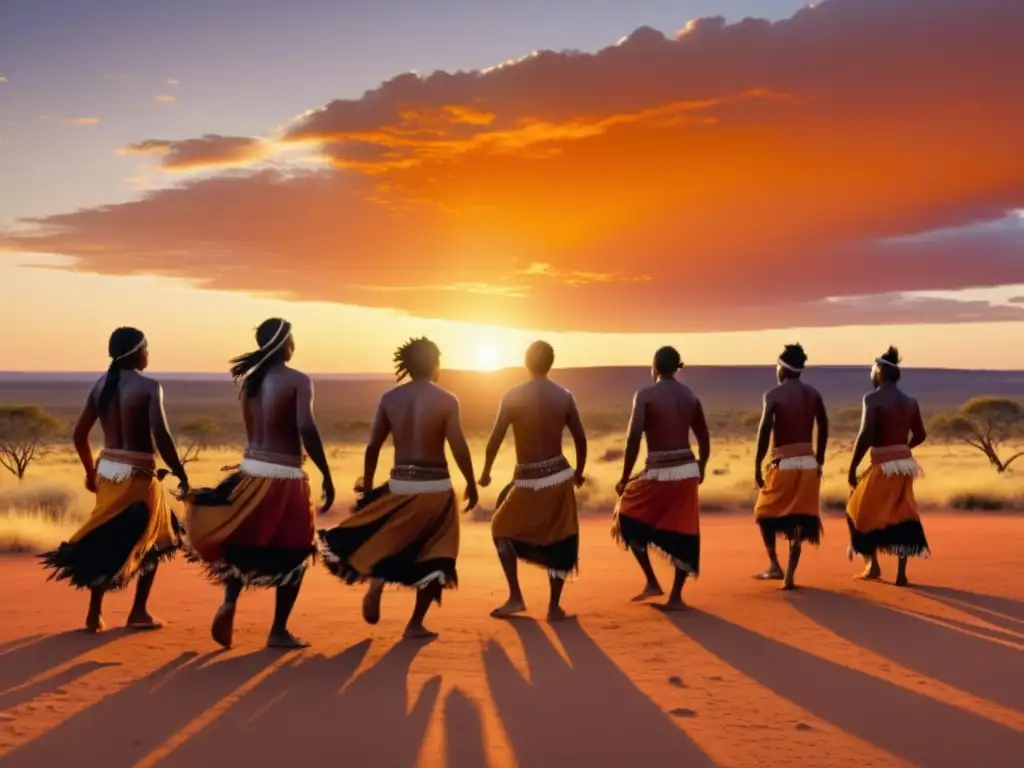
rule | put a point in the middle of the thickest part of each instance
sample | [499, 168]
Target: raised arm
[821, 417]
[310, 435]
[501, 425]
[379, 431]
[634, 434]
[764, 437]
[579, 439]
[917, 432]
[83, 427]
[460, 451]
[700, 431]
[863, 442]
[162, 436]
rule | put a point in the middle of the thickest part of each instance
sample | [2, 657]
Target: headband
[131, 351]
[276, 342]
[880, 361]
[789, 367]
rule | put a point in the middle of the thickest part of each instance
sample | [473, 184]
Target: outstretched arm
[310, 435]
[501, 425]
[634, 434]
[821, 416]
[764, 437]
[85, 423]
[579, 438]
[863, 442]
[700, 431]
[917, 433]
[162, 436]
[460, 452]
[379, 432]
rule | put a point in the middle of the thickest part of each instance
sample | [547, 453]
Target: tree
[200, 431]
[986, 424]
[25, 435]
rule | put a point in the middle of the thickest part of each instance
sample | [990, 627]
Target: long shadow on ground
[124, 727]
[303, 714]
[986, 669]
[32, 656]
[1001, 611]
[919, 729]
[464, 732]
[589, 713]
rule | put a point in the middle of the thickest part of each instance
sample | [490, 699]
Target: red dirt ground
[840, 673]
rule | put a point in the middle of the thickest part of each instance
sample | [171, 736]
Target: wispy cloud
[173, 81]
[207, 151]
[135, 180]
[165, 98]
[78, 120]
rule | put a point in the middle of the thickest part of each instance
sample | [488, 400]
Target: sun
[487, 357]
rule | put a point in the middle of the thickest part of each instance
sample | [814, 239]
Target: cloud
[820, 170]
[79, 121]
[207, 151]
[3, 80]
[165, 98]
[173, 81]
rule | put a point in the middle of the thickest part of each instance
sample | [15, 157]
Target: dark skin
[421, 419]
[665, 412]
[538, 413]
[134, 421]
[790, 413]
[279, 419]
[889, 417]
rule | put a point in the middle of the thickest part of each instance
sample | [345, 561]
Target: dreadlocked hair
[891, 372]
[794, 355]
[416, 359]
[124, 343]
[250, 368]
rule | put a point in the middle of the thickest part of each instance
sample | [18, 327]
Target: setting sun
[487, 357]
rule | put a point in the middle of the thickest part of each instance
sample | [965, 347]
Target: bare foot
[651, 590]
[774, 573]
[902, 581]
[418, 632]
[672, 606]
[286, 640]
[556, 613]
[788, 586]
[94, 623]
[223, 625]
[143, 620]
[510, 608]
[371, 606]
[869, 574]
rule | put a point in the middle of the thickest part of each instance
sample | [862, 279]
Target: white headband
[789, 367]
[132, 351]
[880, 361]
[271, 346]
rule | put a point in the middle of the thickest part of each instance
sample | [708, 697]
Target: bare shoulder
[812, 391]
[871, 399]
[444, 397]
[151, 385]
[685, 391]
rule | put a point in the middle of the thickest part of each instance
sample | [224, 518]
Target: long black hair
[124, 345]
[417, 358]
[250, 368]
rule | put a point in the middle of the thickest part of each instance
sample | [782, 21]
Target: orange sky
[844, 175]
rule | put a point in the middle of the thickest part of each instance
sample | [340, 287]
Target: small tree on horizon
[200, 431]
[986, 424]
[26, 432]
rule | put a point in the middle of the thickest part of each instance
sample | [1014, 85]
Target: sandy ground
[840, 673]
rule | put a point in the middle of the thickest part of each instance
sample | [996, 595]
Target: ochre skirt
[540, 525]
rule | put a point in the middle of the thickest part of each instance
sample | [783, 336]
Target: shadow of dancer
[989, 670]
[53, 684]
[919, 729]
[302, 712]
[1001, 611]
[463, 732]
[27, 660]
[127, 725]
[589, 713]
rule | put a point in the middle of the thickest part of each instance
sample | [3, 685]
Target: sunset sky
[608, 175]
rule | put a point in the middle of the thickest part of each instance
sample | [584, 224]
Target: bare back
[670, 409]
[892, 416]
[419, 416]
[538, 412]
[127, 424]
[794, 406]
[271, 416]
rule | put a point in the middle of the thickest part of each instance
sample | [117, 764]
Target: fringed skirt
[537, 519]
[129, 532]
[661, 509]
[882, 511]
[404, 532]
[789, 504]
[256, 527]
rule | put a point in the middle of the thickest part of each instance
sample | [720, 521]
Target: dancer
[660, 507]
[131, 529]
[407, 530]
[536, 518]
[256, 528]
[882, 512]
[789, 497]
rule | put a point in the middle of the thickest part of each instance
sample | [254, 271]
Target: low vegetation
[27, 432]
[988, 425]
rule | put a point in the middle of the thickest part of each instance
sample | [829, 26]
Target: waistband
[665, 459]
[543, 474]
[885, 453]
[270, 457]
[794, 456]
[410, 479]
[117, 465]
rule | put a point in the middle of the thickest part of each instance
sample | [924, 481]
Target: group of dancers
[257, 527]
